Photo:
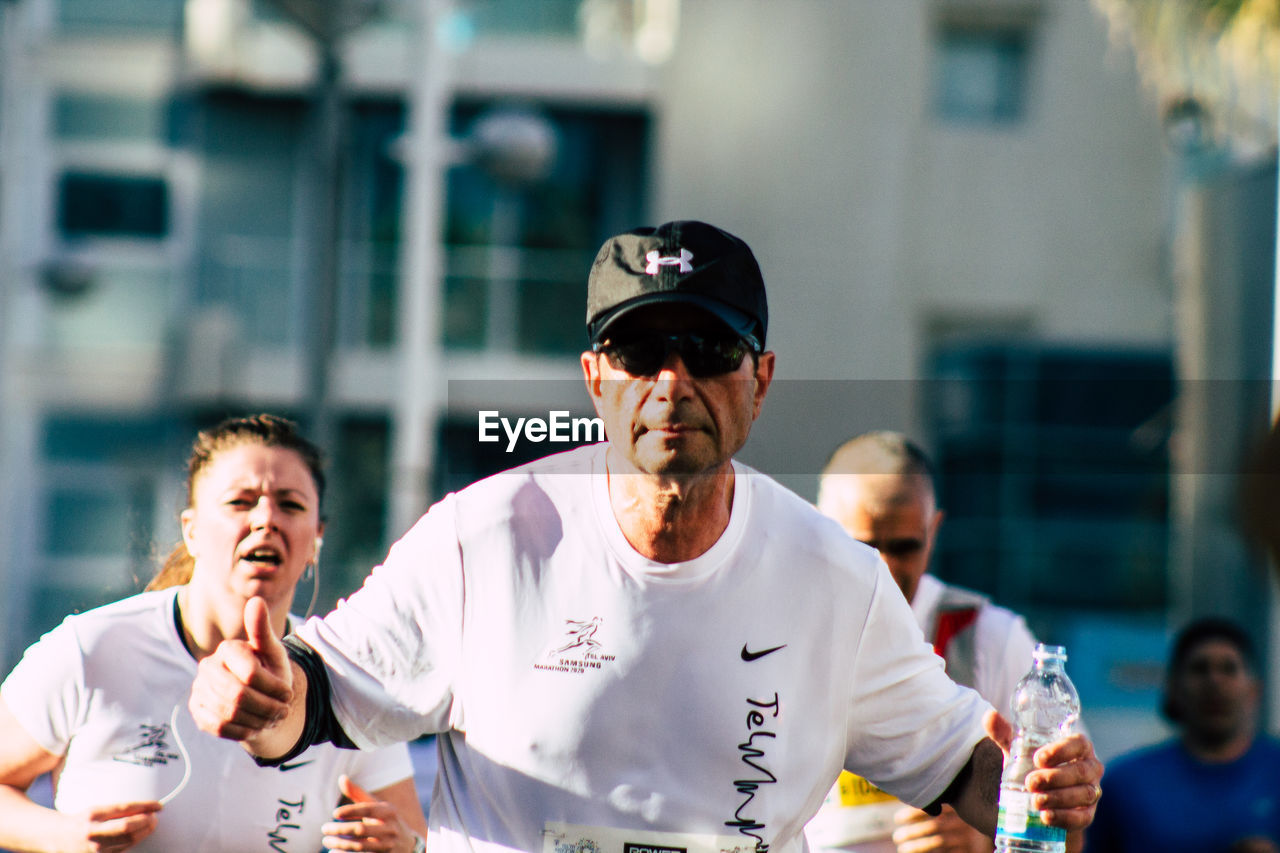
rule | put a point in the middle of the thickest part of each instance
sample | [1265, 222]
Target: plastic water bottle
[1045, 708]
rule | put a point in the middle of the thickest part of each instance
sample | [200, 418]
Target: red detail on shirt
[950, 623]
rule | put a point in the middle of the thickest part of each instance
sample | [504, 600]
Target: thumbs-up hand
[267, 646]
[245, 687]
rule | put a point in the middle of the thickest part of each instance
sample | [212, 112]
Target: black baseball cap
[687, 262]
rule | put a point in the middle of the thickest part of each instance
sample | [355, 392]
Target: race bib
[852, 791]
[854, 810]
[572, 838]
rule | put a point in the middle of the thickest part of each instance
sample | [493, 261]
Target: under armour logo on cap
[655, 260]
[656, 265]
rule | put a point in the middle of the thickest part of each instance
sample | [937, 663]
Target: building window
[97, 118]
[517, 254]
[245, 256]
[103, 205]
[1053, 463]
[248, 256]
[980, 73]
[372, 202]
[134, 17]
[520, 17]
[103, 485]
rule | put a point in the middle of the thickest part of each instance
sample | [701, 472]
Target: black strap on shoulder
[320, 725]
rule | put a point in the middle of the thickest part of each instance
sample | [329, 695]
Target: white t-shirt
[1002, 655]
[102, 689]
[594, 700]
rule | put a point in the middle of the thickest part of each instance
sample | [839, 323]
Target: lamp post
[514, 146]
[327, 22]
[421, 385]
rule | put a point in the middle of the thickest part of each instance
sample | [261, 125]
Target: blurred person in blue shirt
[1215, 787]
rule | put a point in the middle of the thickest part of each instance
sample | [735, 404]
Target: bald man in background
[880, 487]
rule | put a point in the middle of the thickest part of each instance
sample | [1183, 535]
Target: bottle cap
[1045, 652]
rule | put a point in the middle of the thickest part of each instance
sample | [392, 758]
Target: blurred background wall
[978, 221]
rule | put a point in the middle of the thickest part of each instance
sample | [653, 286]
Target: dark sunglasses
[644, 354]
[897, 547]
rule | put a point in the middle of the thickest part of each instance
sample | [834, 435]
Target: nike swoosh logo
[749, 656]
[285, 768]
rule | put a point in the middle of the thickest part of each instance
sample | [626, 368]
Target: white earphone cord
[186, 759]
[315, 580]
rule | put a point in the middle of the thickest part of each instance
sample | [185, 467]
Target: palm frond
[1222, 54]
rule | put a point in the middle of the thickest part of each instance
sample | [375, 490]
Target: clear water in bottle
[1045, 708]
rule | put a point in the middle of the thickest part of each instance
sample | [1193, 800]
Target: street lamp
[514, 146]
[327, 22]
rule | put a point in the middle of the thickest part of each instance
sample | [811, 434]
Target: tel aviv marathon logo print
[151, 747]
[577, 650]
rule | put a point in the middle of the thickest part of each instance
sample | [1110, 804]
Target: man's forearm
[976, 790]
[310, 718]
[274, 743]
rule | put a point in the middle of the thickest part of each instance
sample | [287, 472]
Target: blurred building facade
[173, 271]
[963, 209]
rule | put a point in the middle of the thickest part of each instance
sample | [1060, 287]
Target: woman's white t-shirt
[108, 689]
